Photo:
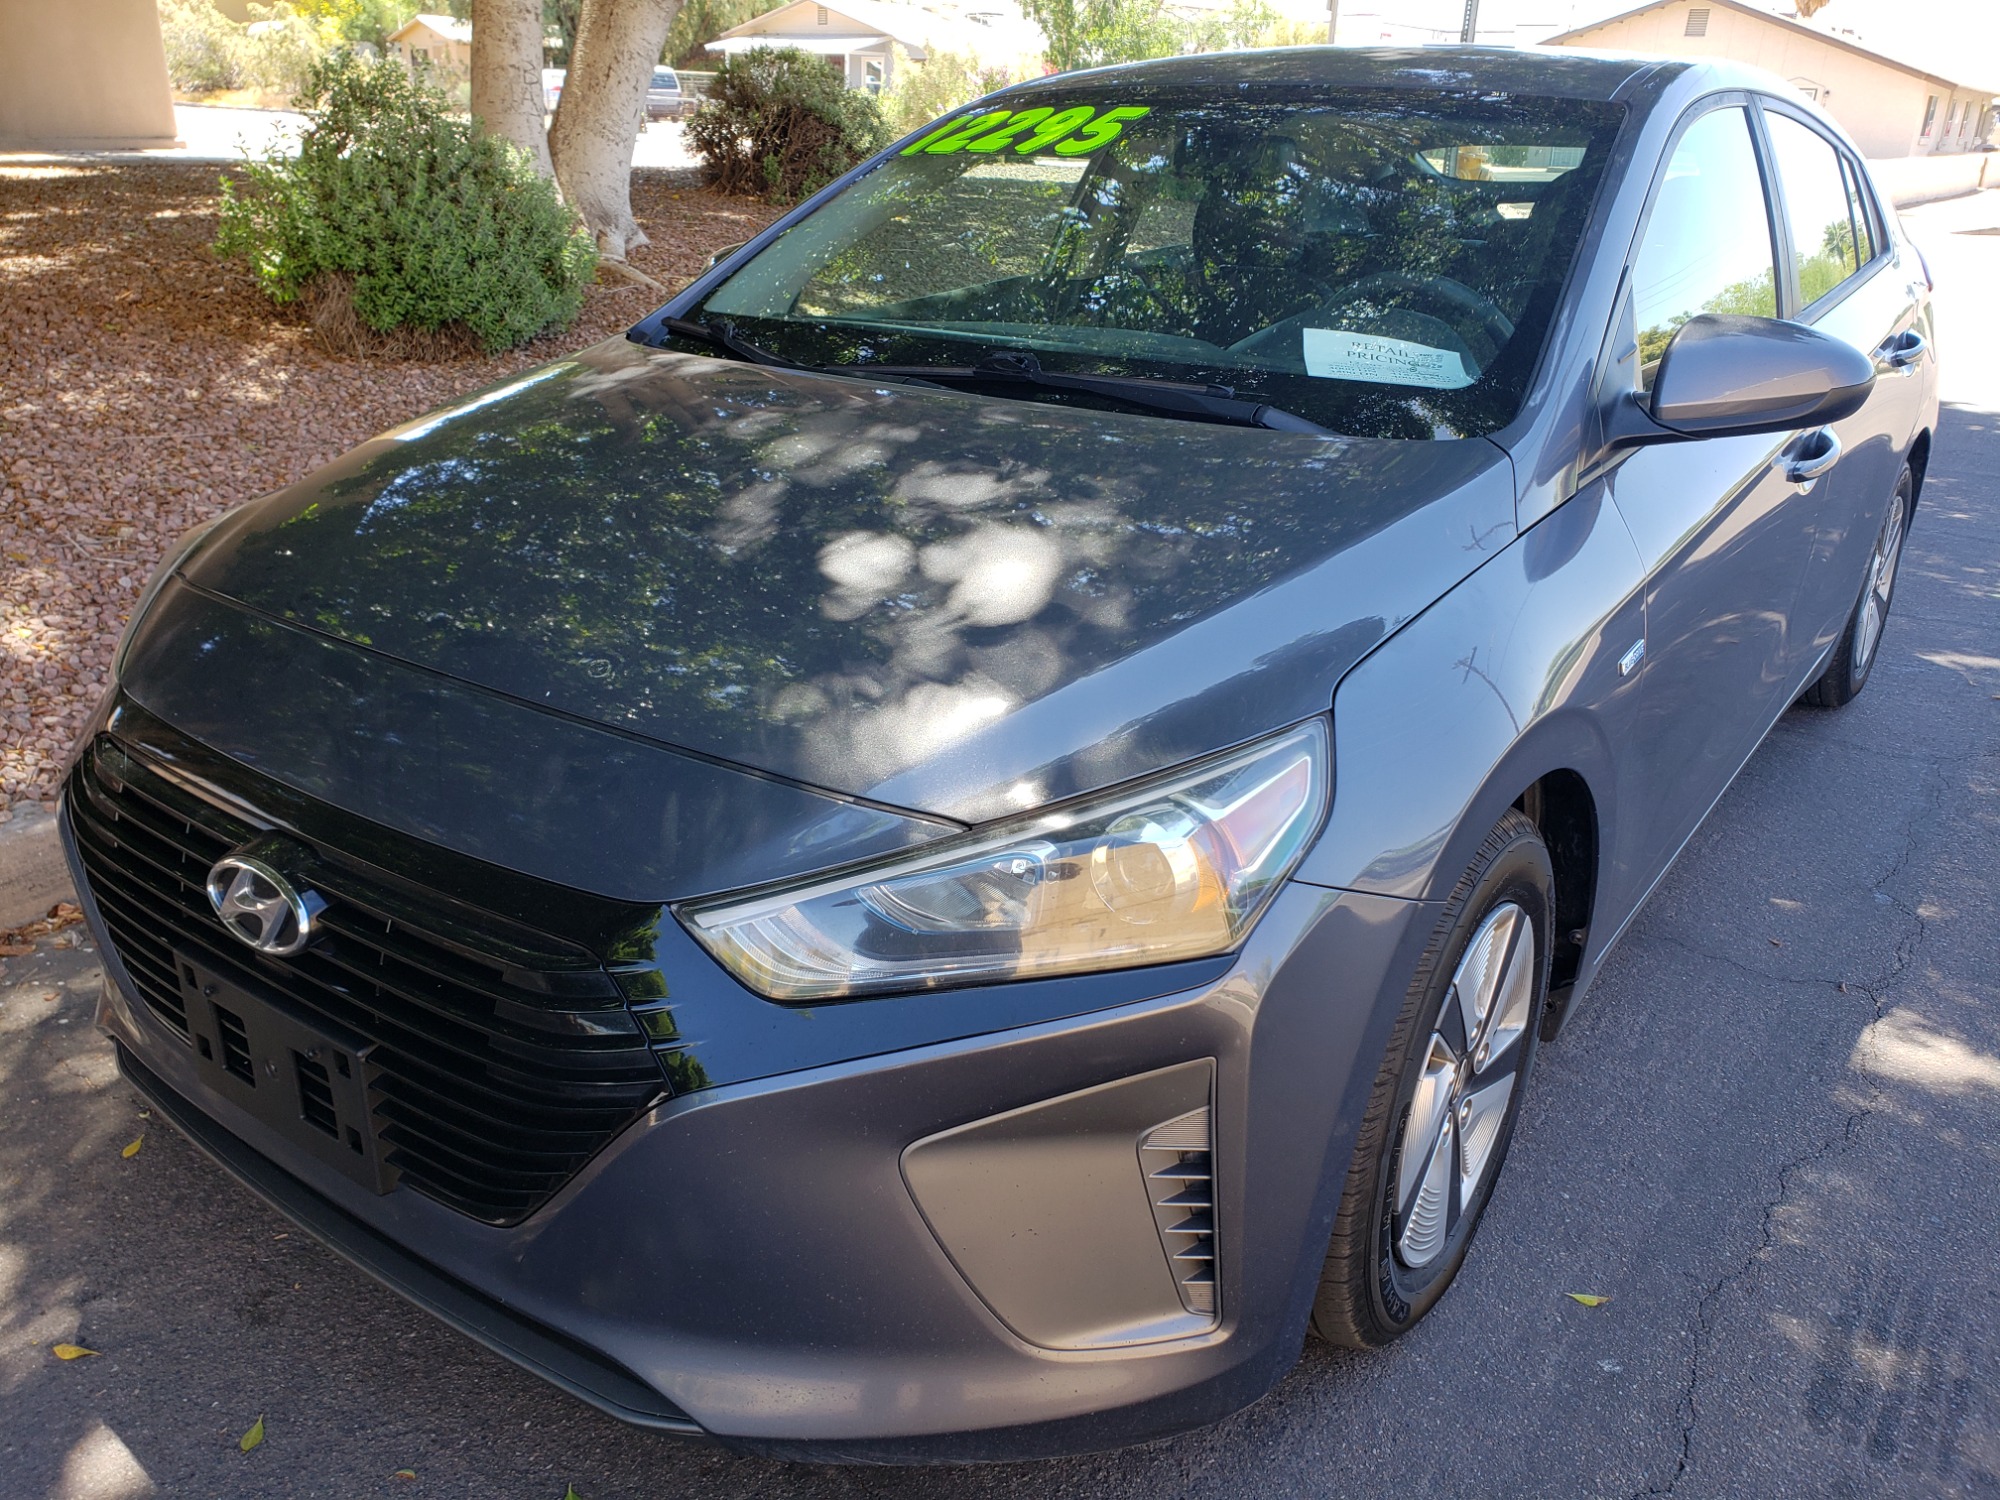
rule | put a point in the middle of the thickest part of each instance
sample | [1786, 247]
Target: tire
[1847, 674]
[1388, 1263]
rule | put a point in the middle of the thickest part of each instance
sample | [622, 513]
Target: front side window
[1827, 243]
[1707, 243]
[1384, 263]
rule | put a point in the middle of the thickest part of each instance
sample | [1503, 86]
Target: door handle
[1904, 350]
[1811, 458]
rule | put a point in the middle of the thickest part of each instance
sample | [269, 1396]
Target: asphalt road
[1770, 1138]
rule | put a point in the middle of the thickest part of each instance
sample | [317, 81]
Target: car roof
[1567, 72]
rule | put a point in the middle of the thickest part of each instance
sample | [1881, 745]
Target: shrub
[928, 90]
[274, 50]
[395, 219]
[782, 123]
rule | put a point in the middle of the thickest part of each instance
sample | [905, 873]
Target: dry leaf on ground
[253, 1437]
[71, 1351]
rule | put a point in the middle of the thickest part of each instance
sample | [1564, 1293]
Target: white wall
[1880, 106]
[83, 74]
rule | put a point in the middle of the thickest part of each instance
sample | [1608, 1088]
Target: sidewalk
[222, 133]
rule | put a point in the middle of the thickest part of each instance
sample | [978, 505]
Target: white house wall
[1879, 105]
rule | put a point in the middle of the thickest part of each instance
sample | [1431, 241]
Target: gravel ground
[146, 385]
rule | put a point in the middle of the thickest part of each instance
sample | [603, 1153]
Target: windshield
[1381, 263]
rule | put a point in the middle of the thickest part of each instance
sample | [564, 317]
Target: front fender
[1512, 675]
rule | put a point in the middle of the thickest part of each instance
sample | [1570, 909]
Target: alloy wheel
[1470, 1069]
[1881, 584]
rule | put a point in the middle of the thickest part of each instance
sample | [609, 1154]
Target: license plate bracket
[314, 1083]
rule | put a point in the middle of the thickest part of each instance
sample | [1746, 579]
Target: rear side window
[1707, 244]
[1829, 244]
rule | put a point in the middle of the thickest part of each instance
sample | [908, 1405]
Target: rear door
[1843, 278]
[1724, 533]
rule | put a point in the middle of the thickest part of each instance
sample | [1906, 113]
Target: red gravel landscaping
[145, 386]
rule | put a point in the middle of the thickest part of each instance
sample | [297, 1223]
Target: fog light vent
[1180, 1181]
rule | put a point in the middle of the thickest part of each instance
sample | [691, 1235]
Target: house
[438, 43]
[1891, 107]
[864, 37]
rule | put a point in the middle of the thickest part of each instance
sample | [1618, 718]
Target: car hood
[955, 604]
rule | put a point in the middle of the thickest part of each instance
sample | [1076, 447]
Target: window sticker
[1336, 354]
[1076, 131]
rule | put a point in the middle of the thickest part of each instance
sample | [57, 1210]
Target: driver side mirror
[1725, 376]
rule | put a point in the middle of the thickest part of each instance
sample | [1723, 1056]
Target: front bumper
[750, 1262]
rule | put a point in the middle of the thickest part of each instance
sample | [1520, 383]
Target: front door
[1724, 533]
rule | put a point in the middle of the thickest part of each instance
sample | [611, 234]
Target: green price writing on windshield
[1070, 132]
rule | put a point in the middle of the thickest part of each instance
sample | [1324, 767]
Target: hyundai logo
[260, 907]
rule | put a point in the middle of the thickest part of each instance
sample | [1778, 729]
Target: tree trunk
[507, 75]
[603, 104]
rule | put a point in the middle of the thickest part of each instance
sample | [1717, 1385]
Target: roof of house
[445, 26]
[969, 24]
[1786, 23]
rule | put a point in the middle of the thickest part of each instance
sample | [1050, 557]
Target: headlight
[1177, 866]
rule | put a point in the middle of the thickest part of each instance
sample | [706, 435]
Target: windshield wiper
[1215, 403]
[722, 335]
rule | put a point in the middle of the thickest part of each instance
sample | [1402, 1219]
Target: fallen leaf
[569, 1493]
[253, 1437]
[406, 1475]
[133, 1150]
[70, 1351]
[1588, 1299]
[1776, 944]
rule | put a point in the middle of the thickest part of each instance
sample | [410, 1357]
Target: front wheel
[1447, 1097]
[1847, 673]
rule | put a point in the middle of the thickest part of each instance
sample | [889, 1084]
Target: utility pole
[1332, 21]
[1469, 32]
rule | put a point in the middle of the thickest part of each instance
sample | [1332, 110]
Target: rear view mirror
[1726, 376]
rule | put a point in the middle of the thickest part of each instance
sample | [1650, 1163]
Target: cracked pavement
[1771, 1136]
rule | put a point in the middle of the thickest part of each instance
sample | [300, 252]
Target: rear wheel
[1847, 673]
[1447, 1097]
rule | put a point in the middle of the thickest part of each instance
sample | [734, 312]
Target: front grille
[507, 1057]
[235, 1045]
[316, 1096]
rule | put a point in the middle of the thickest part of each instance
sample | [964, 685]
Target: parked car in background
[665, 98]
[552, 87]
[938, 851]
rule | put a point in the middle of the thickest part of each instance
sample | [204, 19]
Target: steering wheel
[1473, 317]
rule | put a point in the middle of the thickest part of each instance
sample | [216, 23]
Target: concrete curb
[33, 876]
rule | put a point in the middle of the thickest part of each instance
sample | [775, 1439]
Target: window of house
[1697, 23]
[421, 56]
[1707, 246]
[1930, 114]
[871, 71]
[1826, 241]
[1951, 118]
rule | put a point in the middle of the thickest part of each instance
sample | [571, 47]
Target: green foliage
[700, 21]
[425, 225]
[357, 22]
[1090, 33]
[924, 91]
[782, 123]
[206, 50]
